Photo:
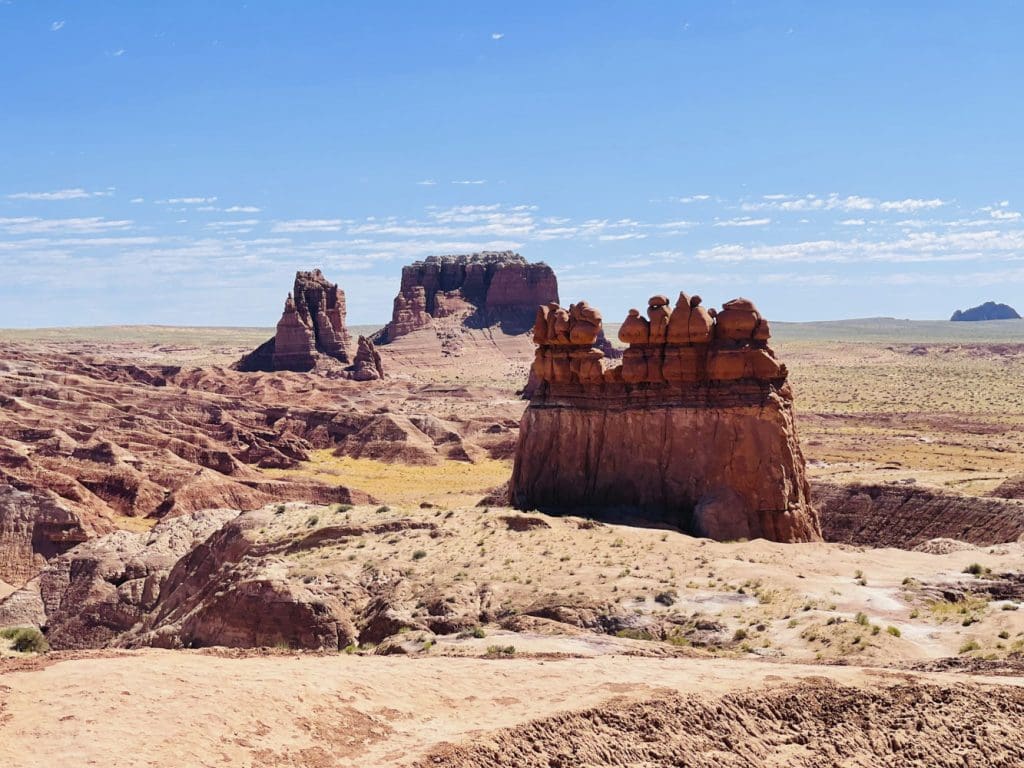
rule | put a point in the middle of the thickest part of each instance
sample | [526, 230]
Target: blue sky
[177, 164]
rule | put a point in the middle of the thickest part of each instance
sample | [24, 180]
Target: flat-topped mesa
[311, 330]
[695, 427]
[481, 289]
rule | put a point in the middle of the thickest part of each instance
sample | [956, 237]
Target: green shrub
[419, 554]
[975, 569]
[861, 618]
[501, 650]
[26, 640]
[970, 645]
[312, 520]
[894, 631]
[384, 508]
[739, 635]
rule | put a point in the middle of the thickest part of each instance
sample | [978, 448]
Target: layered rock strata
[481, 289]
[695, 427]
[906, 516]
[312, 326]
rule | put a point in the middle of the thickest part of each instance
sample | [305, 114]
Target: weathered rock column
[695, 428]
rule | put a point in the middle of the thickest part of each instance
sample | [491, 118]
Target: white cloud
[744, 221]
[137, 200]
[690, 199]
[233, 223]
[852, 222]
[242, 209]
[60, 194]
[427, 183]
[913, 247]
[470, 181]
[187, 201]
[33, 225]
[497, 35]
[911, 205]
[57, 26]
[1002, 215]
[118, 52]
[835, 202]
[308, 225]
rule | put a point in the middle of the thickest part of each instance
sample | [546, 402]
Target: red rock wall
[483, 288]
[694, 428]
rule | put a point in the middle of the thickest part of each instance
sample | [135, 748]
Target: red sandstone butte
[695, 428]
[482, 289]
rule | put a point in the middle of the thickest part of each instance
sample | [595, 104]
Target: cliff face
[482, 289]
[904, 516]
[694, 428]
[312, 325]
[987, 311]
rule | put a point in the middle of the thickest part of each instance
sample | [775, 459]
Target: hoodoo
[695, 427]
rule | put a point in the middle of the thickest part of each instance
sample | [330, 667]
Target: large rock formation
[987, 311]
[694, 428]
[311, 328]
[481, 289]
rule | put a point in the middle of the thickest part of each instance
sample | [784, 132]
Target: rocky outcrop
[480, 289]
[1010, 488]
[367, 365]
[990, 310]
[34, 527]
[312, 328]
[694, 428]
[905, 516]
[100, 590]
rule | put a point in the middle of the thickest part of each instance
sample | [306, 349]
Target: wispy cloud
[690, 199]
[744, 221]
[186, 201]
[308, 225]
[242, 209]
[836, 202]
[470, 181]
[57, 26]
[60, 194]
[33, 225]
[427, 183]
[497, 35]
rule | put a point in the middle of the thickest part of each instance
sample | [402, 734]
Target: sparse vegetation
[26, 640]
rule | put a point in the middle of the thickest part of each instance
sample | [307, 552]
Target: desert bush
[666, 598]
[26, 640]
[501, 650]
[894, 631]
[419, 554]
[970, 645]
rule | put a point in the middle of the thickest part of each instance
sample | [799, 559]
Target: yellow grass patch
[449, 482]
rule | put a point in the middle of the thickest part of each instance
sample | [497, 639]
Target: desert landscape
[353, 547]
[534, 385]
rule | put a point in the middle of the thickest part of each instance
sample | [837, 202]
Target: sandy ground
[195, 709]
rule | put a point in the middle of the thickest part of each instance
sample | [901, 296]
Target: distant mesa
[694, 428]
[987, 311]
[492, 288]
[312, 334]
